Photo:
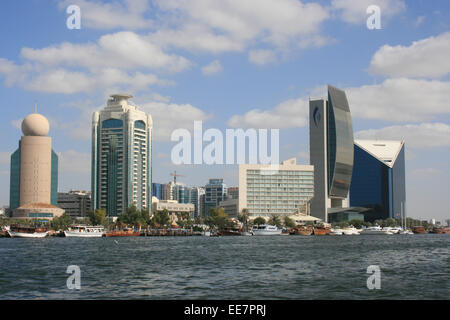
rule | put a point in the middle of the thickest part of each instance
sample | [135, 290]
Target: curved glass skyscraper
[331, 151]
[121, 157]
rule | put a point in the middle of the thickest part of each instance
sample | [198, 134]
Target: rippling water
[279, 267]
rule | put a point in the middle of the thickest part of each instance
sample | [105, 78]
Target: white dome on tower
[35, 124]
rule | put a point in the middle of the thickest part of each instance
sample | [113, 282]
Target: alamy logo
[74, 20]
[191, 151]
[374, 281]
[74, 280]
[374, 20]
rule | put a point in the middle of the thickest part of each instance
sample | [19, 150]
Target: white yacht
[375, 230]
[85, 231]
[349, 231]
[22, 231]
[266, 230]
[336, 232]
[405, 231]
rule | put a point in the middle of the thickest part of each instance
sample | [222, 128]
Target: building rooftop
[384, 150]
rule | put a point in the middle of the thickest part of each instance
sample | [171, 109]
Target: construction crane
[175, 175]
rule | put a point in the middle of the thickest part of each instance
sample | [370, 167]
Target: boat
[266, 230]
[246, 233]
[419, 229]
[229, 232]
[321, 230]
[336, 232]
[85, 231]
[440, 230]
[4, 231]
[126, 232]
[301, 230]
[396, 230]
[406, 231]
[350, 231]
[375, 230]
[21, 231]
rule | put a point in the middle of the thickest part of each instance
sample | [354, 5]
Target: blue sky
[232, 64]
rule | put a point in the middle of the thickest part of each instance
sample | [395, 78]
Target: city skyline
[233, 74]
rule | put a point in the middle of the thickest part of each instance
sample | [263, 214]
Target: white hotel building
[284, 192]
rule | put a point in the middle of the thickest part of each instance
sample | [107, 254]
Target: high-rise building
[76, 203]
[168, 191]
[157, 190]
[34, 172]
[378, 180]
[121, 156]
[233, 193]
[331, 151]
[215, 191]
[283, 192]
[195, 197]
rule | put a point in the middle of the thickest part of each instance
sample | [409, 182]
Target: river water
[271, 267]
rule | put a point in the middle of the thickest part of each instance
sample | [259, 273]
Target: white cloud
[122, 50]
[288, 114]
[232, 25]
[355, 11]
[424, 58]
[402, 99]
[111, 15]
[262, 56]
[424, 135]
[212, 68]
[170, 116]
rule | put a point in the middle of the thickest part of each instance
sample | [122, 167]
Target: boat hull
[83, 234]
[14, 234]
[122, 234]
[267, 232]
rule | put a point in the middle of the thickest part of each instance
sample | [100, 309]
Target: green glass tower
[121, 157]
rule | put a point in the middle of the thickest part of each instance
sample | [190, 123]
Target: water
[278, 267]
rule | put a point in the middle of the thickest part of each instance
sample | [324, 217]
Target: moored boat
[374, 230]
[85, 231]
[123, 233]
[336, 232]
[419, 230]
[349, 231]
[321, 230]
[266, 230]
[440, 230]
[301, 230]
[21, 231]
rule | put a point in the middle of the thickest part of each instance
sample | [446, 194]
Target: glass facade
[280, 193]
[157, 190]
[215, 191]
[14, 190]
[377, 186]
[121, 157]
[340, 143]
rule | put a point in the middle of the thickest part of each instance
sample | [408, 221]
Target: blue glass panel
[112, 123]
[139, 124]
[14, 191]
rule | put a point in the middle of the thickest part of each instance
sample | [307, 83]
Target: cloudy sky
[232, 64]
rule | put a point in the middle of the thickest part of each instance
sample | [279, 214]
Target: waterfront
[238, 268]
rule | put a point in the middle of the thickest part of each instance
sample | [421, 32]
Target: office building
[233, 193]
[121, 156]
[168, 191]
[76, 203]
[34, 172]
[157, 190]
[331, 151]
[265, 192]
[195, 197]
[173, 207]
[378, 181]
[215, 191]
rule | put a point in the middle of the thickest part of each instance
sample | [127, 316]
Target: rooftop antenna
[35, 106]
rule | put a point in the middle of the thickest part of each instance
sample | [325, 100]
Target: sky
[231, 64]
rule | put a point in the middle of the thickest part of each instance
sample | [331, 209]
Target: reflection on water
[281, 267]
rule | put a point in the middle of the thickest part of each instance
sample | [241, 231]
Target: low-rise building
[76, 203]
[172, 206]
